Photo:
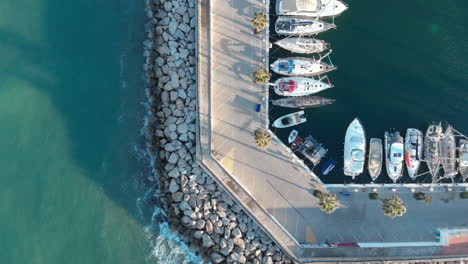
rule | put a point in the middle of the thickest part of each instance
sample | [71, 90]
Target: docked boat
[463, 158]
[310, 8]
[303, 102]
[290, 120]
[327, 167]
[312, 150]
[413, 151]
[292, 136]
[432, 150]
[301, 67]
[448, 146]
[394, 154]
[303, 45]
[354, 149]
[375, 158]
[298, 86]
[301, 26]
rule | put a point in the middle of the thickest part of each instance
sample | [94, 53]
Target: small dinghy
[290, 120]
[354, 149]
[394, 154]
[375, 158]
[301, 66]
[301, 26]
[292, 136]
[327, 167]
[302, 102]
[447, 153]
[463, 158]
[298, 86]
[432, 150]
[303, 45]
[413, 151]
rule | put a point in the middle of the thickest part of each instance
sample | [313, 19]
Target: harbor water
[403, 67]
[73, 181]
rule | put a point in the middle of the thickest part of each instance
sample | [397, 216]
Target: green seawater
[401, 64]
[71, 88]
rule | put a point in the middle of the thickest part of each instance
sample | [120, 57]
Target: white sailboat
[303, 45]
[394, 154]
[296, 66]
[310, 8]
[354, 149]
[301, 26]
[463, 158]
[413, 151]
[432, 150]
[447, 153]
[298, 86]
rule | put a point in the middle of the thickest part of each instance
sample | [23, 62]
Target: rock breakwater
[200, 210]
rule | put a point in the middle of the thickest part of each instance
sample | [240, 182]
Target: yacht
[303, 45]
[413, 151]
[302, 102]
[432, 149]
[394, 154]
[463, 158]
[298, 86]
[310, 8]
[290, 120]
[375, 158]
[301, 67]
[301, 26]
[354, 149]
[447, 153]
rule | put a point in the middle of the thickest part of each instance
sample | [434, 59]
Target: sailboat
[294, 66]
[354, 149]
[375, 158]
[310, 8]
[302, 102]
[301, 26]
[303, 45]
[394, 154]
[447, 153]
[413, 151]
[432, 149]
[463, 158]
[298, 86]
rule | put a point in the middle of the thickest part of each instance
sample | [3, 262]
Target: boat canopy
[289, 86]
[287, 65]
[396, 151]
[307, 5]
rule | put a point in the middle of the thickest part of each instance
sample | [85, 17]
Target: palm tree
[262, 138]
[428, 199]
[260, 22]
[261, 76]
[327, 201]
[393, 207]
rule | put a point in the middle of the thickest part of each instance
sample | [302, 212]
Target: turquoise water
[400, 64]
[71, 181]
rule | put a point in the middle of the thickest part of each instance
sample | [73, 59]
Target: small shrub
[419, 196]
[428, 199]
[464, 195]
[373, 196]
[318, 194]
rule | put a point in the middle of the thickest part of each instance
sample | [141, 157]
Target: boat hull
[290, 120]
[394, 155]
[298, 86]
[295, 66]
[374, 165]
[303, 102]
[447, 153]
[432, 150]
[413, 151]
[330, 8]
[301, 27]
[354, 149]
[303, 45]
[463, 157]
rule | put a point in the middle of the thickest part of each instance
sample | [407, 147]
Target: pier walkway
[273, 187]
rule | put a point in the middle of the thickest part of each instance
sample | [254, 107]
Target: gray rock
[239, 242]
[173, 186]
[267, 260]
[235, 257]
[186, 221]
[175, 80]
[227, 232]
[190, 213]
[216, 257]
[183, 179]
[168, 6]
[207, 241]
[173, 27]
[236, 232]
[182, 128]
[184, 206]
[172, 127]
[177, 197]
[228, 248]
[208, 227]
[169, 147]
[200, 224]
[174, 157]
[181, 10]
[243, 227]
[198, 234]
[250, 235]
[164, 50]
